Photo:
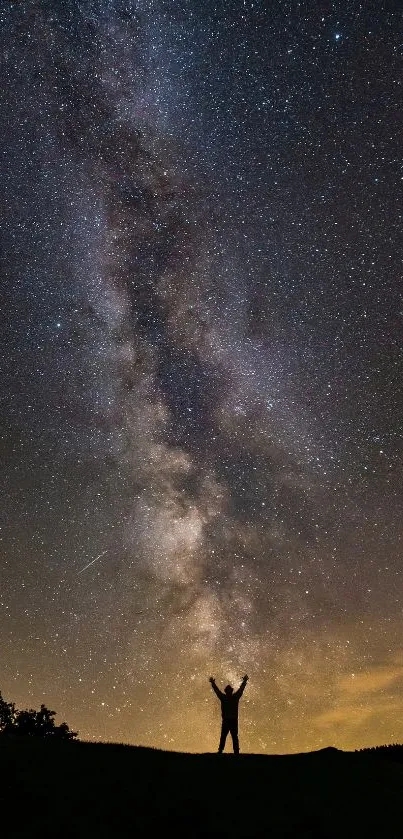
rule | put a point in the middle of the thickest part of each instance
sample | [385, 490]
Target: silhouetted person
[229, 712]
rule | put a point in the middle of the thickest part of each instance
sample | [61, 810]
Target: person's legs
[234, 735]
[224, 732]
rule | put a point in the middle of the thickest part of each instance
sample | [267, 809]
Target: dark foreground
[99, 790]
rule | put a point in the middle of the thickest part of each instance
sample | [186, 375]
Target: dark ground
[98, 790]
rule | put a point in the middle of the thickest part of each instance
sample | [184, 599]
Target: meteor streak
[92, 562]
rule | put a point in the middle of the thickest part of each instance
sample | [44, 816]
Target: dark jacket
[229, 703]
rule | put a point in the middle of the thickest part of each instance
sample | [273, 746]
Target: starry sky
[202, 357]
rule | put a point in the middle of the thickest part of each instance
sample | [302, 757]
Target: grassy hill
[105, 790]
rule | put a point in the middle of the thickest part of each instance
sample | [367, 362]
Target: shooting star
[92, 562]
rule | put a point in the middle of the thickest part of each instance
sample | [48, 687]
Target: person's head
[228, 690]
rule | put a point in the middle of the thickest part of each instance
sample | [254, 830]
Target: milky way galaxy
[202, 360]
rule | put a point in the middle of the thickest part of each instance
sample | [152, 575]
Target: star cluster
[202, 362]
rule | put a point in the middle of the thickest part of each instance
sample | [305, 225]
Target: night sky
[202, 360]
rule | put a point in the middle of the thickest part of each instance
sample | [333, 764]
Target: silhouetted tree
[31, 723]
[7, 714]
[393, 751]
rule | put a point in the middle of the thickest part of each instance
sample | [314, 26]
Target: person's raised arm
[215, 688]
[241, 689]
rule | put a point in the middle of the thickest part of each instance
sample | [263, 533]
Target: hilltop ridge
[94, 789]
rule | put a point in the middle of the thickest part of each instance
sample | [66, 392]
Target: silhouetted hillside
[69, 789]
